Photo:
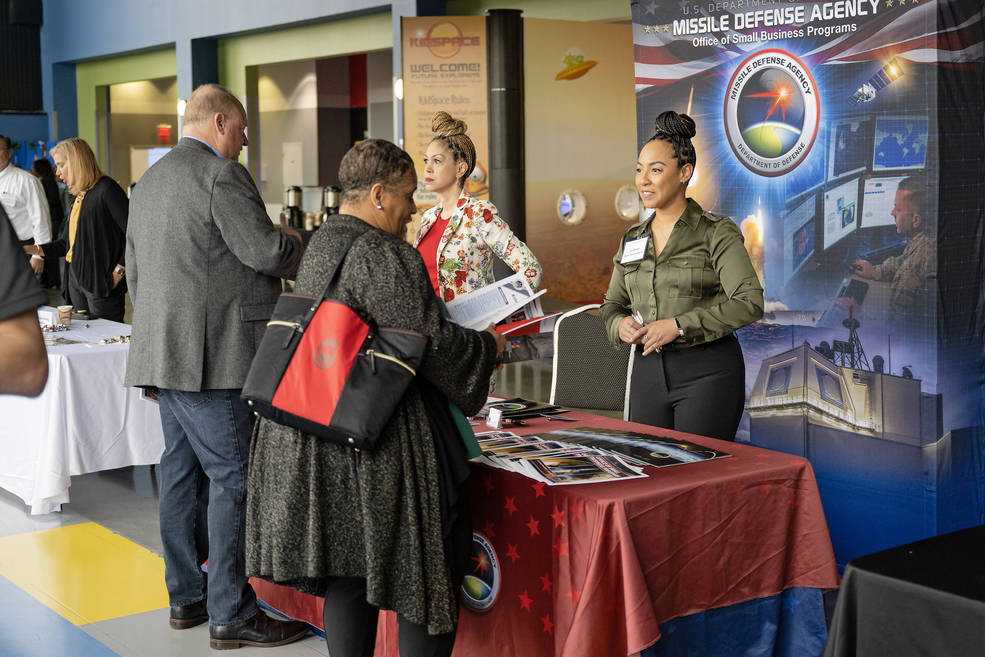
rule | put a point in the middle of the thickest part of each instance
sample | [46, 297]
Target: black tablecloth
[923, 598]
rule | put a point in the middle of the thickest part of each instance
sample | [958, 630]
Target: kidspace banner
[845, 139]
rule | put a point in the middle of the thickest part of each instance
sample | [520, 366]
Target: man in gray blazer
[203, 268]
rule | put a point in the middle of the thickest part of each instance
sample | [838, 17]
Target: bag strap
[316, 301]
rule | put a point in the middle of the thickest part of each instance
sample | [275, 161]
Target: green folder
[465, 429]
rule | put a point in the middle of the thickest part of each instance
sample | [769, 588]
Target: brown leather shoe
[261, 631]
[185, 616]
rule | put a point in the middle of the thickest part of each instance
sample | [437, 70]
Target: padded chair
[588, 373]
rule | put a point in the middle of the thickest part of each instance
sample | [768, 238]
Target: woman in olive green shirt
[681, 284]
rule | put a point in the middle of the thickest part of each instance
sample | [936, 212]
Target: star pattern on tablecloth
[558, 516]
[488, 529]
[512, 553]
[561, 548]
[548, 625]
[525, 600]
[539, 489]
[545, 582]
[574, 512]
[534, 526]
[574, 594]
[510, 505]
[487, 483]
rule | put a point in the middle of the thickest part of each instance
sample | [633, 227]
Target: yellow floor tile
[84, 572]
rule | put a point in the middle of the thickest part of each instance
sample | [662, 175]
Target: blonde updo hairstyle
[451, 132]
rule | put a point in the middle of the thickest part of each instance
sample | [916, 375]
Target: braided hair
[451, 132]
[677, 130]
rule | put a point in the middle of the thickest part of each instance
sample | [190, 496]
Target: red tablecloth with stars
[594, 569]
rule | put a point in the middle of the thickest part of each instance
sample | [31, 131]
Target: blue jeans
[203, 475]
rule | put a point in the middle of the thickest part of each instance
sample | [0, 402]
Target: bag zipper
[372, 353]
[294, 326]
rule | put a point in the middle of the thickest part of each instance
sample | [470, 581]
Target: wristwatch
[119, 270]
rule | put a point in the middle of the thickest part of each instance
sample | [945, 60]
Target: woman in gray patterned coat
[386, 528]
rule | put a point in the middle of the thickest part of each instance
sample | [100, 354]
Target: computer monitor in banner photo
[798, 236]
[849, 147]
[840, 212]
[900, 143]
[878, 199]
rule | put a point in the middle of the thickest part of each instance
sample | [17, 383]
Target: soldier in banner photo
[913, 273]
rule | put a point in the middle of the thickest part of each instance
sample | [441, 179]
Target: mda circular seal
[772, 111]
[480, 586]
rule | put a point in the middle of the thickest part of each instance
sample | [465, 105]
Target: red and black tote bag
[325, 370]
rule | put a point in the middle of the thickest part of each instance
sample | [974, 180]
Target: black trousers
[110, 307]
[699, 389]
[350, 625]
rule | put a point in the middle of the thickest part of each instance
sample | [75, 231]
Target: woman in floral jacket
[459, 237]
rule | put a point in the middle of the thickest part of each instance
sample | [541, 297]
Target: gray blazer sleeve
[131, 271]
[242, 219]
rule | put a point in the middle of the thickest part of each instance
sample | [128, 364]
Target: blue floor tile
[30, 629]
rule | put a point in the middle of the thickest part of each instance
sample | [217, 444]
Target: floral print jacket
[476, 233]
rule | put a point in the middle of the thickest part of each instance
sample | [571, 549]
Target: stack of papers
[586, 455]
[51, 340]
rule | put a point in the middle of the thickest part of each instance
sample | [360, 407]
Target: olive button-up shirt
[703, 278]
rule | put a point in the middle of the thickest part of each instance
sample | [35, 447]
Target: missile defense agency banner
[845, 139]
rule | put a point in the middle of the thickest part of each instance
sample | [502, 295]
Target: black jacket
[100, 238]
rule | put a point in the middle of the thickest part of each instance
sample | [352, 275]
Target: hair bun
[672, 123]
[444, 125]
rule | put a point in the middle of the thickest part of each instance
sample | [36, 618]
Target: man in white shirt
[23, 199]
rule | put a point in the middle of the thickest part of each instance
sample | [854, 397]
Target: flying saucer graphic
[772, 112]
[476, 184]
[575, 65]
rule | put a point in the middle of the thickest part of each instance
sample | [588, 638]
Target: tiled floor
[89, 581]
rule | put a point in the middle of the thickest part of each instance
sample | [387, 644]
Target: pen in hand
[639, 320]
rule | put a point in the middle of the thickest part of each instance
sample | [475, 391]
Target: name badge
[634, 250]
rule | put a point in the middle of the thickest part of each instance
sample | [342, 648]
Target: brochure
[493, 303]
[57, 340]
[552, 462]
[585, 455]
[528, 326]
[518, 408]
[640, 448]
[581, 467]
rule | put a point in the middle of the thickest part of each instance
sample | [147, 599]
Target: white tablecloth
[84, 421]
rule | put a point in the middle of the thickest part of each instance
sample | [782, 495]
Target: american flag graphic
[945, 33]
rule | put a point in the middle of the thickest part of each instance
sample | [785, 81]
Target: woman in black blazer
[95, 242]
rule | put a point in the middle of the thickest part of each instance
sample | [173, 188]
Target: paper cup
[65, 315]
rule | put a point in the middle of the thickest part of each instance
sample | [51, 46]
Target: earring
[379, 207]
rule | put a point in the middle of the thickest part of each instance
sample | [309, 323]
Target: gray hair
[369, 162]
